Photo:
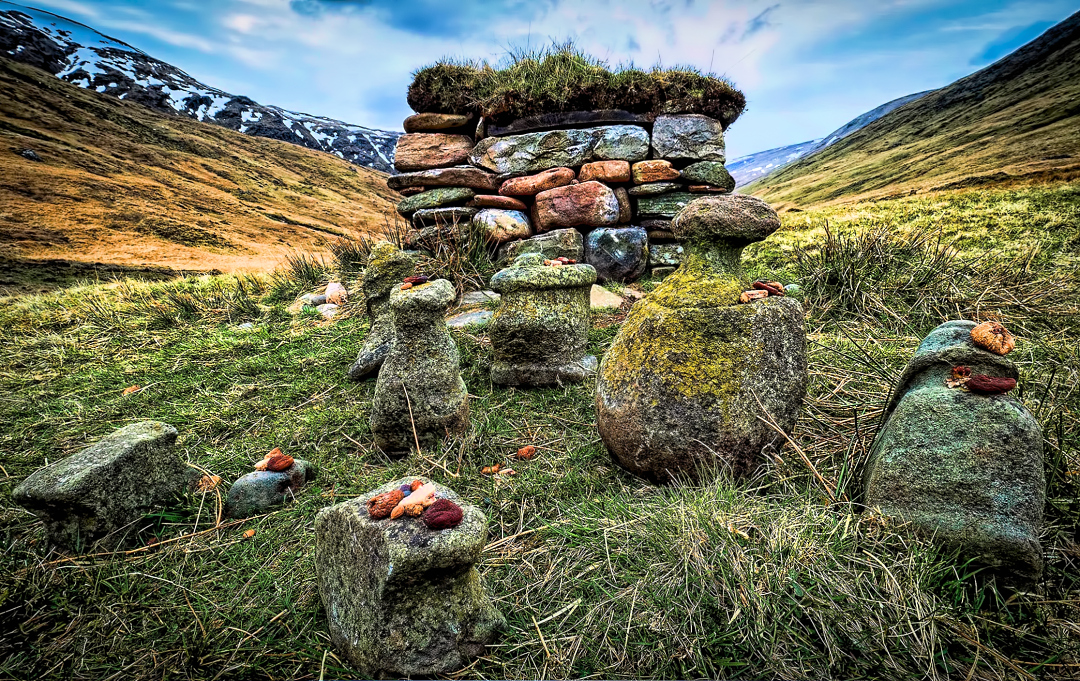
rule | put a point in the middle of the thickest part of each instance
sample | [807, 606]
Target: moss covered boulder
[99, 492]
[419, 394]
[403, 600]
[964, 468]
[541, 330]
[387, 266]
[682, 388]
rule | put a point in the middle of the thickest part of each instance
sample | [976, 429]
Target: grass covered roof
[561, 78]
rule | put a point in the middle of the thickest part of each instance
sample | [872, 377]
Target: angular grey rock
[670, 255]
[962, 468]
[499, 225]
[541, 330]
[434, 198]
[419, 393]
[617, 253]
[262, 491]
[386, 268]
[536, 151]
[402, 600]
[456, 176]
[688, 137]
[663, 205]
[654, 188]
[437, 217]
[680, 391]
[558, 243]
[709, 172]
[97, 493]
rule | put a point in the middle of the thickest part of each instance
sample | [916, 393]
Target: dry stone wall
[618, 185]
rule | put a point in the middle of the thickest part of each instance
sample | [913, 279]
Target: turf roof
[561, 78]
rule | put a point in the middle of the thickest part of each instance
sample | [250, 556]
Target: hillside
[82, 56]
[1017, 119]
[122, 185]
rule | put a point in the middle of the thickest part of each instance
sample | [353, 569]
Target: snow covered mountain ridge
[80, 55]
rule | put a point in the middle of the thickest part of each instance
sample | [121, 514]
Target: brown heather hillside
[1017, 120]
[123, 186]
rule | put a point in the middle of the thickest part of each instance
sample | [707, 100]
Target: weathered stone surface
[456, 176]
[617, 253]
[474, 298]
[454, 215]
[424, 150]
[426, 122]
[95, 494]
[499, 226]
[541, 329]
[605, 171]
[654, 188]
[586, 204]
[386, 268]
[736, 218]
[601, 298]
[711, 173]
[963, 468]
[663, 205]
[653, 171]
[328, 310]
[434, 198]
[531, 185]
[681, 388]
[666, 254]
[655, 223]
[688, 137]
[471, 318]
[558, 243]
[568, 119]
[262, 491]
[626, 209]
[536, 151]
[497, 201]
[419, 389]
[402, 600]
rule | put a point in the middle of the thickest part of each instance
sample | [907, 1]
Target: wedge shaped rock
[387, 267]
[97, 493]
[403, 600]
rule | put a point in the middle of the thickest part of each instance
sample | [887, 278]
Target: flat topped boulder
[529, 273]
[402, 599]
[733, 218]
[99, 491]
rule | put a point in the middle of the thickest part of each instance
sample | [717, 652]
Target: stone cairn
[616, 177]
[397, 574]
[541, 329]
[960, 459]
[701, 364]
[419, 394]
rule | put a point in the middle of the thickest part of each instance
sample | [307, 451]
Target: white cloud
[165, 35]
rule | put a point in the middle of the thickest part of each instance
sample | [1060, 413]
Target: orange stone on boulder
[422, 151]
[495, 201]
[532, 185]
[586, 204]
[605, 171]
[653, 171]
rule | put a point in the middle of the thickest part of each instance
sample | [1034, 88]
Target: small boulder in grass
[265, 490]
[336, 293]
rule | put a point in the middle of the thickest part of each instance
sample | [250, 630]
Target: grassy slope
[599, 572]
[121, 184]
[1014, 119]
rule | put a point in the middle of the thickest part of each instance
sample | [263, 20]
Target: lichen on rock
[387, 266]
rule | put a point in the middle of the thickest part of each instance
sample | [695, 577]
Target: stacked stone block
[617, 185]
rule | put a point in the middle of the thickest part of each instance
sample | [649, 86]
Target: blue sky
[806, 66]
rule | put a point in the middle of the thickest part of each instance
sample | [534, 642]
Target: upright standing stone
[403, 600]
[386, 268]
[691, 371]
[541, 330]
[99, 492]
[419, 393]
[964, 468]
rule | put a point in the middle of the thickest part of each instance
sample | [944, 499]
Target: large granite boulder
[586, 204]
[419, 394]
[423, 150]
[617, 253]
[387, 266]
[681, 389]
[687, 137]
[963, 468]
[403, 600]
[96, 494]
[558, 243]
[536, 151]
[541, 330]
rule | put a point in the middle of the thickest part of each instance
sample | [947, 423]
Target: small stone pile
[619, 183]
